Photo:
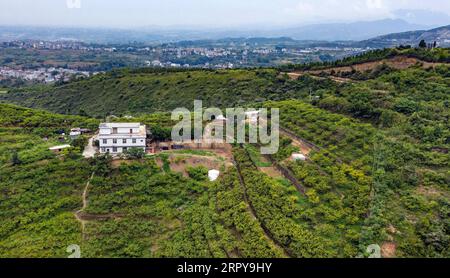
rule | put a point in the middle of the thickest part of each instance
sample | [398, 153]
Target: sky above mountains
[217, 13]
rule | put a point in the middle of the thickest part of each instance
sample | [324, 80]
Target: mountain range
[354, 31]
[439, 35]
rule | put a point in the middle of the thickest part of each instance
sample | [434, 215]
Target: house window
[124, 141]
[114, 130]
[103, 150]
[131, 130]
[125, 149]
[105, 141]
[114, 149]
[134, 141]
[114, 141]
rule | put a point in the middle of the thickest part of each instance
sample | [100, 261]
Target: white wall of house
[118, 137]
[122, 142]
[117, 150]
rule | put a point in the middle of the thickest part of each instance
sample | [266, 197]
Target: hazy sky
[204, 13]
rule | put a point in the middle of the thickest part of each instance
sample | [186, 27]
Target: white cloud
[313, 10]
[207, 13]
[374, 4]
[345, 10]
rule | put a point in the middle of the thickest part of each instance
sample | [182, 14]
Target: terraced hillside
[376, 170]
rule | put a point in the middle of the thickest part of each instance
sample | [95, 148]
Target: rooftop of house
[120, 125]
[124, 126]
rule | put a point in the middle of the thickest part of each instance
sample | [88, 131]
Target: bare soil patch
[297, 75]
[271, 172]
[181, 164]
[388, 249]
[399, 62]
[428, 191]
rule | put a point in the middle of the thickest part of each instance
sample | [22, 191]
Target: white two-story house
[116, 138]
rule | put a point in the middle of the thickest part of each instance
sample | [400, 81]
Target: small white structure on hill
[75, 133]
[298, 157]
[213, 175]
[58, 149]
[117, 138]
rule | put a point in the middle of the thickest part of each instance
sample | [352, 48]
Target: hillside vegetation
[436, 55]
[124, 92]
[144, 91]
[377, 169]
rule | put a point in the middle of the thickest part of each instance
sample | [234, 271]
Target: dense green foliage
[393, 162]
[39, 190]
[281, 217]
[41, 122]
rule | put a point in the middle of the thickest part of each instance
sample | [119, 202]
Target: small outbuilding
[213, 175]
[58, 149]
[75, 133]
[298, 157]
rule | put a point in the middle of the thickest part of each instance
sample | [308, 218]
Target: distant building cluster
[45, 75]
[202, 54]
[169, 64]
[50, 45]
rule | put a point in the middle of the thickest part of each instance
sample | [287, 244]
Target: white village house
[118, 137]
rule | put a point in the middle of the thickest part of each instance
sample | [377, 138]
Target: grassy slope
[123, 93]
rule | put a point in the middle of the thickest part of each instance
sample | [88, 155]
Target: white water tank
[213, 175]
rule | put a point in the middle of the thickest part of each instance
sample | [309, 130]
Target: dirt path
[272, 172]
[399, 62]
[84, 217]
[297, 75]
[288, 175]
[79, 214]
[305, 147]
[90, 150]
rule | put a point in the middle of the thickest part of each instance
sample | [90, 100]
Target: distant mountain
[441, 35]
[321, 32]
[350, 31]
[91, 35]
